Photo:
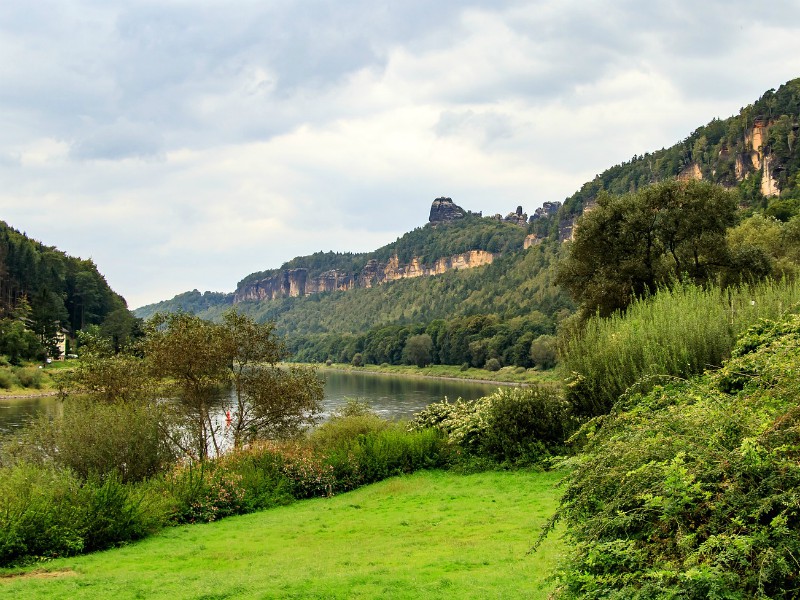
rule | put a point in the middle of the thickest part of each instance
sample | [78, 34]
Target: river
[391, 396]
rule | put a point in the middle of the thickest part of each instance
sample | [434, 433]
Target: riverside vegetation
[677, 427]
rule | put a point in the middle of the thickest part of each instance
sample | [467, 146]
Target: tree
[630, 245]
[120, 327]
[269, 401]
[417, 350]
[200, 357]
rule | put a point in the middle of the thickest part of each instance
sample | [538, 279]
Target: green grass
[428, 535]
[506, 374]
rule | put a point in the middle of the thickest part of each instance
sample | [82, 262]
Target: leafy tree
[270, 401]
[199, 357]
[630, 245]
[418, 349]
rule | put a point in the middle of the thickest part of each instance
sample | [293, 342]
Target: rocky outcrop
[548, 209]
[757, 155]
[444, 210]
[293, 283]
[518, 217]
[531, 240]
[691, 172]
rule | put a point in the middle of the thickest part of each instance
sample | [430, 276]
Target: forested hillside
[43, 291]
[754, 151]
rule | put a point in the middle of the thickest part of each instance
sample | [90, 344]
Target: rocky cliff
[444, 210]
[293, 283]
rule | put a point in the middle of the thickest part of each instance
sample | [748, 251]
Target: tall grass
[677, 333]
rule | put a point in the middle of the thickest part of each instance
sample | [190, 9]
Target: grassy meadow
[432, 534]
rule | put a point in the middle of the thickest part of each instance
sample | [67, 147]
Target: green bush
[492, 365]
[677, 333]
[29, 377]
[352, 420]
[692, 489]
[513, 425]
[526, 425]
[47, 512]
[95, 438]
[7, 379]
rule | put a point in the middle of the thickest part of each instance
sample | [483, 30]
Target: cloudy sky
[185, 144]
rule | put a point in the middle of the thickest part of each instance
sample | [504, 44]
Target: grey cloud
[118, 141]
[485, 127]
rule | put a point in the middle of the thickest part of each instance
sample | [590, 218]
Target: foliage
[691, 490]
[714, 149]
[676, 333]
[47, 512]
[544, 352]
[630, 246]
[511, 426]
[199, 356]
[127, 440]
[63, 291]
[418, 349]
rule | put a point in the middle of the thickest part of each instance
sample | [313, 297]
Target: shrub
[526, 425]
[492, 365]
[29, 377]
[513, 425]
[47, 512]
[358, 360]
[98, 438]
[688, 491]
[7, 379]
[465, 366]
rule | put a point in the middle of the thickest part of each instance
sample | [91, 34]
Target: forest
[46, 294]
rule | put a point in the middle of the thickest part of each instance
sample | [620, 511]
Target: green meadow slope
[428, 535]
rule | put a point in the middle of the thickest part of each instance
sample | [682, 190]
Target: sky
[185, 144]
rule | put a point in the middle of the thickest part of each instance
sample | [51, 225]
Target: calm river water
[391, 396]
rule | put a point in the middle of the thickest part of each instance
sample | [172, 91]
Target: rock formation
[444, 210]
[292, 283]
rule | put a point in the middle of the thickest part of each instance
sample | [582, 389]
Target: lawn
[427, 535]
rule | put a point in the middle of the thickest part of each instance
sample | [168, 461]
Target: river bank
[505, 376]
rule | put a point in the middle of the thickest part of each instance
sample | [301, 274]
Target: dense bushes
[693, 489]
[678, 333]
[511, 426]
[49, 512]
[99, 439]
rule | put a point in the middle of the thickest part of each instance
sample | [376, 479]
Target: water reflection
[392, 396]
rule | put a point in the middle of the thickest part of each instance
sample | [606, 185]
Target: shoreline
[510, 379]
[21, 396]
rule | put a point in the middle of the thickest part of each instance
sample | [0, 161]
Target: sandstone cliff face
[293, 283]
[754, 141]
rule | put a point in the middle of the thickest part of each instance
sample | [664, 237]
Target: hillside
[48, 291]
[503, 267]
[754, 151]
[442, 245]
